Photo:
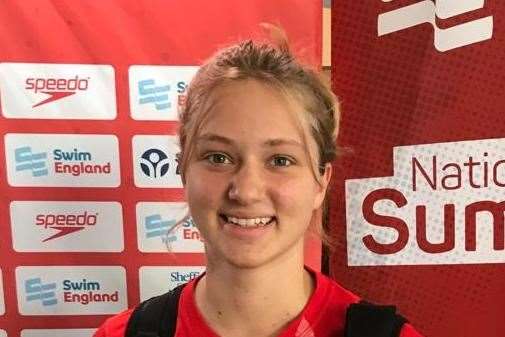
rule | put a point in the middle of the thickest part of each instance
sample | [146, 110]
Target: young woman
[257, 140]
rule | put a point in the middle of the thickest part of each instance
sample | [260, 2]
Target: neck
[258, 301]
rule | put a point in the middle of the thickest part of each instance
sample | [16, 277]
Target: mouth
[249, 222]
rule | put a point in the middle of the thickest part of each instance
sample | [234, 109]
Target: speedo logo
[428, 11]
[65, 224]
[57, 91]
[56, 88]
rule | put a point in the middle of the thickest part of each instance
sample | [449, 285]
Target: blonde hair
[275, 65]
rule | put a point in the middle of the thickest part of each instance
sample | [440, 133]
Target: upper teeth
[249, 222]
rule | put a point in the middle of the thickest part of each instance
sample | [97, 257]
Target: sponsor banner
[62, 160]
[2, 299]
[155, 281]
[57, 332]
[166, 226]
[66, 226]
[71, 290]
[57, 91]
[158, 92]
[155, 162]
[423, 184]
[444, 204]
[428, 11]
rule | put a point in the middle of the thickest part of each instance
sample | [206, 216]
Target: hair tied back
[277, 36]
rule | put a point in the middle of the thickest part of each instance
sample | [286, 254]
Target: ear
[323, 183]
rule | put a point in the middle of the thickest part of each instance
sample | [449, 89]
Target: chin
[247, 263]
[251, 260]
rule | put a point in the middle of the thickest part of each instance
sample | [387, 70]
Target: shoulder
[327, 307]
[114, 326]
[332, 292]
[409, 331]
[337, 299]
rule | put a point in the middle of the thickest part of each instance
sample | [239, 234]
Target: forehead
[252, 109]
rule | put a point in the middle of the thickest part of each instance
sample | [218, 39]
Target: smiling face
[249, 180]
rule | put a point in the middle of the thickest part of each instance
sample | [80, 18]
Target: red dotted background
[399, 90]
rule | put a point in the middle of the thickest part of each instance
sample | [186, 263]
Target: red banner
[423, 177]
[89, 187]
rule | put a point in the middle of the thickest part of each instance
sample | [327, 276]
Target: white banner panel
[66, 226]
[71, 290]
[160, 229]
[155, 281]
[57, 91]
[57, 332]
[155, 162]
[62, 160]
[158, 92]
[443, 205]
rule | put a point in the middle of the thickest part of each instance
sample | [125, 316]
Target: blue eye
[281, 161]
[218, 159]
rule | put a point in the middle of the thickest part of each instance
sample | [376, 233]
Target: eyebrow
[270, 142]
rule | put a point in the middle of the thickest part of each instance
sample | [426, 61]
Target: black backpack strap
[156, 317]
[364, 319]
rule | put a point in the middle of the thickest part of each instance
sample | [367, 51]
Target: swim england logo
[149, 93]
[27, 160]
[71, 290]
[38, 291]
[155, 226]
[62, 160]
[428, 11]
[163, 226]
[158, 92]
[76, 163]
[154, 163]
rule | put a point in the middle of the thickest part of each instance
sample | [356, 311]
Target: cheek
[295, 195]
[203, 191]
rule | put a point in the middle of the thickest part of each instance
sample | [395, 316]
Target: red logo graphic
[65, 223]
[56, 88]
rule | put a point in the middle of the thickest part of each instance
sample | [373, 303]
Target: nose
[247, 185]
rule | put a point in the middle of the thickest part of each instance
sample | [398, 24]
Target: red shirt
[323, 316]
